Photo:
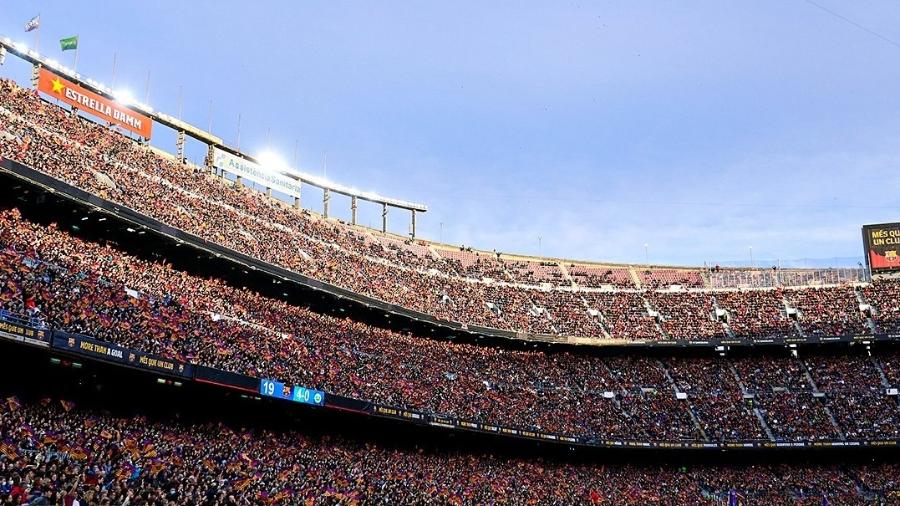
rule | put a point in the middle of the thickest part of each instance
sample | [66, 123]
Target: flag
[69, 43]
[9, 450]
[78, 453]
[242, 484]
[13, 403]
[68, 405]
[735, 499]
[33, 23]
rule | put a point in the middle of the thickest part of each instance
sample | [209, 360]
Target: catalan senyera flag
[68, 43]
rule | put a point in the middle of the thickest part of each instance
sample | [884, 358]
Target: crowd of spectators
[54, 452]
[661, 278]
[83, 287]
[889, 363]
[757, 313]
[782, 393]
[686, 315]
[884, 296]
[443, 282]
[828, 311]
[625, 314]
[719, 405]
[53, 278]
[593, 276]
[855, 390]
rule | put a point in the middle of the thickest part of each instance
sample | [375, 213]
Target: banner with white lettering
[85, 100]
[255, 172]
[108, 352]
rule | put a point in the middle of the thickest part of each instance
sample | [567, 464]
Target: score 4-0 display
[272, 388]
[309, 396]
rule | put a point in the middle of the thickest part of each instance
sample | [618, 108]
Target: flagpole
[37, 35]
[75, 66]
[114, 71]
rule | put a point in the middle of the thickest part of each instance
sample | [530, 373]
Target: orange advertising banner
[88, 101]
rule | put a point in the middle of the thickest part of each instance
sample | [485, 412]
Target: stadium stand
[591, 276]
[55, 451]
[59, 281]
[447, 285]
[54, 278]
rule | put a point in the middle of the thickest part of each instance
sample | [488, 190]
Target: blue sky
[699, 128]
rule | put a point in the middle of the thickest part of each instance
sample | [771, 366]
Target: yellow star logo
[57, 85]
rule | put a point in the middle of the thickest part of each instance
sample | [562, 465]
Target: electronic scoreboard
[303, 395]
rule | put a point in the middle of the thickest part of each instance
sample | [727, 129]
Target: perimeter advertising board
[882, 247]
[85, 100]
[253, 171]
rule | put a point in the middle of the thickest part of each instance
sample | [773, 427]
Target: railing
[771, 278]
[34, 321]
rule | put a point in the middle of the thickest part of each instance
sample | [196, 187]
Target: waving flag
[9, 450]
[13, 403]
[33, 23]
[68, 43]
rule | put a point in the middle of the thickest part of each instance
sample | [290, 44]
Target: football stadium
[202, 323]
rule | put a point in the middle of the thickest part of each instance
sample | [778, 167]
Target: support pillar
[238, 180]
[353, 210]
[296, 202]
[268, 192]
[179, 146]
[35, 75]
[384, 217]
[413, 223]
[326, 196]
[210, 159]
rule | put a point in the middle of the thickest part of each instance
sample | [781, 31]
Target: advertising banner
[253, 171]
[882, 246]
[24, 333]
[112, 353]
[85, 100]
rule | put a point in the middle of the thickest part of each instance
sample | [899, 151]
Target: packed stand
[883, 295]
[189, 198]
[686, 315]
[54, 452]
[828, 311]
[625, 314]
[783, 393]
[757, 313]
[718, 402]
[56, 280]
[856, 396]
